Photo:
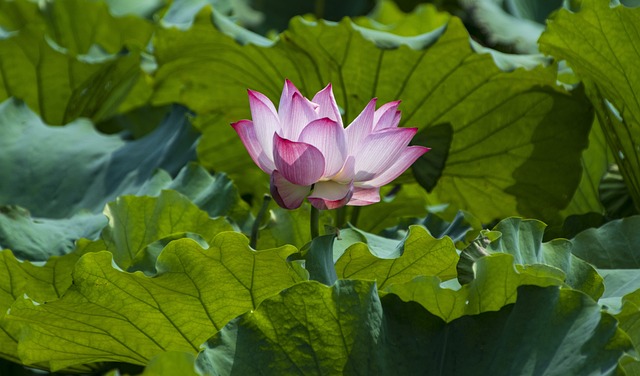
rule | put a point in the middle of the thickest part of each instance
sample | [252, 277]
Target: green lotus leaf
[511, 151]
[136, 222]
[523, 239]
[111, 315]
[40, 282]
[77, 26]
[346, 329]
[421, 255]
[61, 177]
[611, 246]
[600, 42]
[495, 285]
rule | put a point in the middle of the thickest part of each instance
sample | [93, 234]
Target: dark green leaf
[612, 246]
[347, 330]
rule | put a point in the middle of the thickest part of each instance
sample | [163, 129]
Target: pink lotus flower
[305, 148]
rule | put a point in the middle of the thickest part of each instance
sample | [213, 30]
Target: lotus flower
[306, 149]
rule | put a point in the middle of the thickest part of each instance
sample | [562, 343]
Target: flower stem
[319, 8]
[314, 221]
[341, 217]
[354, 215]
[256, 224]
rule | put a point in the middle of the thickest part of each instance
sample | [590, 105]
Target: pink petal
[301, 112]
[346, 174]
[285, 98]
[407, 158]
[330, 195]
[298, 162]
[387, 116]
[328, 137]
[360, 127]
[286, 194]
[247, 132]
[327, 106]
[379, 151]
[264, 117]
[364, 196]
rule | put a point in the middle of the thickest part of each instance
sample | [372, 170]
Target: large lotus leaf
[617, 284]
[68, 87]
[611, 246]
[70, 59]
[629, 318]
[39, 238]
[77, 25]
[43, 283]
[494, 286]
[55, 172]
[111, 315]
[135, 222]
[517, 137]
[515, 23]
[601, 44]
[523, 239]
[346, 329]
[421, 255]
[387, 16]
[595, 161]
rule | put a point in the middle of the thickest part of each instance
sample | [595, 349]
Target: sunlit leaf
[421, 255]
[136, 222]
[110, 315]
[600, 42]
[512, 151]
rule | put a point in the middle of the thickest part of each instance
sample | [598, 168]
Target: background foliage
[127, 202]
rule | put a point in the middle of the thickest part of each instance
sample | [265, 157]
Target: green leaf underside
[347, 330]
[508, 126]
[109, 315]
